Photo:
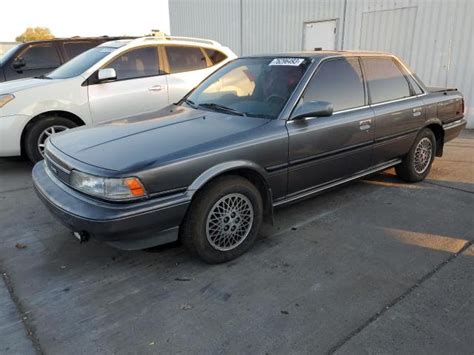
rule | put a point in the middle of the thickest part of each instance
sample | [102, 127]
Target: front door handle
[365, 124]
[156, 88]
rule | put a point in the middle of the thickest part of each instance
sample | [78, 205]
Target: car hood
[146, 141]
[11, 87]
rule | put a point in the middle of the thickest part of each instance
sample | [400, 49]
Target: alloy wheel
[47, 133]
[423, 152]
[229, 222]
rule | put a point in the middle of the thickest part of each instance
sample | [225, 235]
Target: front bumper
[129, 226]
[453, 129]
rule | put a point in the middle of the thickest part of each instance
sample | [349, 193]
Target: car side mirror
[18, 63]
[313, 109]
[106, 74]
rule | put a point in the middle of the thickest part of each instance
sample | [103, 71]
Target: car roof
[189, 41]
[318, 54]
[77, 38]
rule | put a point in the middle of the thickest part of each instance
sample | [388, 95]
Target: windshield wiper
[42, 76]
[223, 108]
[190, 103]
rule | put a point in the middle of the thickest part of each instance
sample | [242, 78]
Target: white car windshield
[80, 64]
[258, 87]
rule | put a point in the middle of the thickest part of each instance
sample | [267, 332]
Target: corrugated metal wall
[435, 37]
[213, 19]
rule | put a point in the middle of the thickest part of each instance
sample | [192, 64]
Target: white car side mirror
[107, 74]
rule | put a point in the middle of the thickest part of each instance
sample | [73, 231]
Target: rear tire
[417, 163]
[223, 220]
[37, 133]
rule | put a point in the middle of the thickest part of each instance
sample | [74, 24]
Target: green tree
[34, 34]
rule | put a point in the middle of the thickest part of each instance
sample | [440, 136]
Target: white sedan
[112, 81]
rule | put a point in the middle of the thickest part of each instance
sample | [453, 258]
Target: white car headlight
[5, 99]
[107, 188]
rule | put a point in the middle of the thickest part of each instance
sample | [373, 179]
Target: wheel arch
[246, 169]
[436, 127]
[66, 114]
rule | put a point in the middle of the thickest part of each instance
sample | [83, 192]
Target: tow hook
[81, 236]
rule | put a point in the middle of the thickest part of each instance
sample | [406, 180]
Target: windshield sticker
[287, 61]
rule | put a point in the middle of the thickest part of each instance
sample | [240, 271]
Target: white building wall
[435, 37]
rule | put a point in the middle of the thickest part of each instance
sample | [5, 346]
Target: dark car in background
[36, 58]
[260, 132]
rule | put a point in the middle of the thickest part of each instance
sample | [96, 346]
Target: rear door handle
[156, 88]
[365, 124]
[417, 111]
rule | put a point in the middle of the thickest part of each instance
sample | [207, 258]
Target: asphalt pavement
[377, 266]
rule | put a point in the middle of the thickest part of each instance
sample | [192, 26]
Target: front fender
[241, 165]
[222, 168]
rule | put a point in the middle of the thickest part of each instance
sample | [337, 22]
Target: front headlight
[107, 188]
[5, 99]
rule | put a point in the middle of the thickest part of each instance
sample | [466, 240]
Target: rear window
[75, 48]
[215, 56]
[385, 80]
[182, 59]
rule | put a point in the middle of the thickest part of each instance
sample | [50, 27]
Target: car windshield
[81, 63]
[257, 87]
[5, 56]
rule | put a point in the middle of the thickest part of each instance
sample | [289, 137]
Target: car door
[323, 149]
[139, 87]
[186, 66]
[34, 60]
[397, 105]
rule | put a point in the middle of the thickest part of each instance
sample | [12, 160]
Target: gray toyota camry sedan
[260, 132]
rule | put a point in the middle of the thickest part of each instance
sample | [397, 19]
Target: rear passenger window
[215, 55]
[385, 80]
[181, 59]
[339, 82]
[41, 56]
[416, 88]
[137, 63]
[75, 48]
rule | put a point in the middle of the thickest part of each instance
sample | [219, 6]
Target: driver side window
[338, 81]
[137, 63]
[40, 56]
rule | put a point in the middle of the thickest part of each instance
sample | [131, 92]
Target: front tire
[224, 220]
[39, 131]
[417, 163]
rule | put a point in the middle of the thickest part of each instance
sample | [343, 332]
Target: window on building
[339, 82]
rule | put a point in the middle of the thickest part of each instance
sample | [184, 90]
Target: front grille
[57, 168]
